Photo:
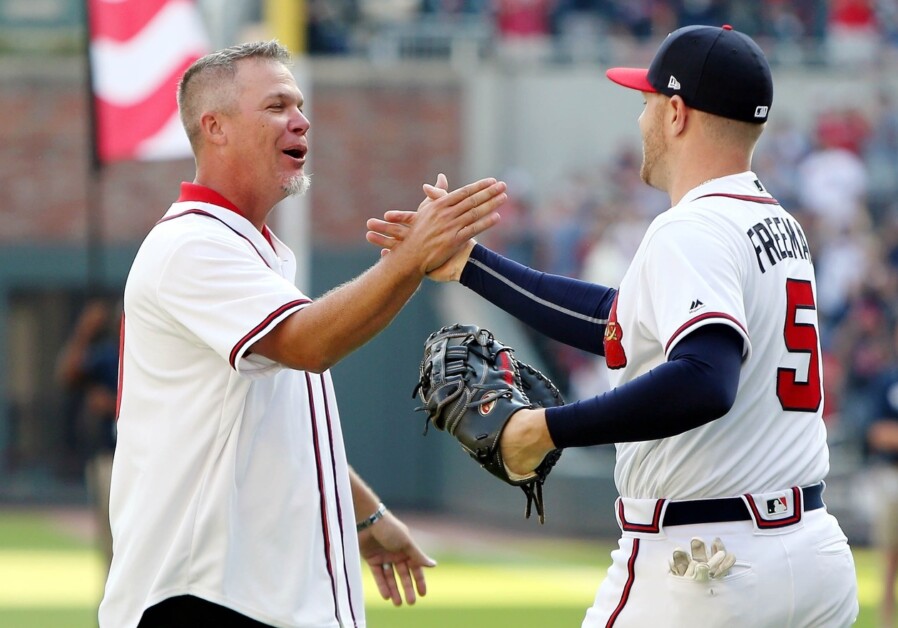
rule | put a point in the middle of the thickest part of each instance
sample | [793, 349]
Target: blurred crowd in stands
[791, 31]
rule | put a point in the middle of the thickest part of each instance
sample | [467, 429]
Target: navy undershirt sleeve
[569, 310]
[695, 386]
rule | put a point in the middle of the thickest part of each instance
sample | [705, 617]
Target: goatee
[298, 185]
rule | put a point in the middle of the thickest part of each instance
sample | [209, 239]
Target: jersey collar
[208, 200]
[202, 194]
[744, 183]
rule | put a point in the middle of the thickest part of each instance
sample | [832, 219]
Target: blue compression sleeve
[569, 310]
[695, 386]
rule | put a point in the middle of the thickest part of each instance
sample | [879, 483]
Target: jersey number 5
[800, 338]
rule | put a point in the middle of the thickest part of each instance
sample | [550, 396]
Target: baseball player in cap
[713, 345]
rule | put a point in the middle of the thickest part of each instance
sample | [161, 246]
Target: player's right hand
[395, 226]
[446, 223]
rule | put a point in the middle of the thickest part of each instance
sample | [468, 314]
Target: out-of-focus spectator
[627, 194]
[329, 26]
[833, 385]
[832, 189]
[786, 30]
[522, 18]
[690, 12]
[882, 443]
[636, 17]
[846, 128]
[87, 366]
[887, 19]
[388, 11]
[880, 152]
[606, 259]
[580, 29]
[853, 36]
[564, 221]
[833, 178]
[888, 234]
[863, 344]
[454, 7]
[524, 30]
[844, 262]
[794, 30]
[781, 149]
[517, 238]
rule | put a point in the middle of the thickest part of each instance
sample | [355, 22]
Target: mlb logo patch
[774, 510]
[777, 505]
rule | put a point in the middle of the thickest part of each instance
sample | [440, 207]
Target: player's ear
[677, 114]
[212, 128]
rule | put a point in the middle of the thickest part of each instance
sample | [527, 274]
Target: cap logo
[673, 83]
[761, 111]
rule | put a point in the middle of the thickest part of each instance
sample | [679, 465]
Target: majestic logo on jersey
[615, 357]
[696, 305]
[673, 83]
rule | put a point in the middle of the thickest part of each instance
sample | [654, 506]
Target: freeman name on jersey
[777, 238]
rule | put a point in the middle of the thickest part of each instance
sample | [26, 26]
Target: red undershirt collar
[202, 194]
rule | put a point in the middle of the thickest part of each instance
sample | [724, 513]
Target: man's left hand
[391, 553]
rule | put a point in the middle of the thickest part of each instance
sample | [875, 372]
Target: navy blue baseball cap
[714, 69]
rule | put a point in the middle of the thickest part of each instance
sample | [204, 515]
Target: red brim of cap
[634, 78]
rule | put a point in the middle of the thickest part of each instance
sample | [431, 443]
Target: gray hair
[208, 82]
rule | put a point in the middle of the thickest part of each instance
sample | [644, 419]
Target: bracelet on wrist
[376, 516]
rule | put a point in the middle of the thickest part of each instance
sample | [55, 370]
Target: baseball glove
[471, 384]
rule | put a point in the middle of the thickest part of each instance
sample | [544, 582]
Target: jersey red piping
[766, 200]
[194, 192]
[330, 440]
[781, 523]
[232, 358]
[625, 594]
[697, 319]
[325, 526]
[200, 212]
[653, 527]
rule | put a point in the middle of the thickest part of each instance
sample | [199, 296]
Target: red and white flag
[138, 51]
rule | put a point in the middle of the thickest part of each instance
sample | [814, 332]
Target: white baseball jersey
[728, 254]
[230, 479]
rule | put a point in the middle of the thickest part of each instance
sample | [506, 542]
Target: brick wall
[377, 134]
[372, 147]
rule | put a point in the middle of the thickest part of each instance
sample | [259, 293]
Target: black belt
[728, 508]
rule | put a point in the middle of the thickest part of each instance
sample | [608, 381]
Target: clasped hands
[471, 210]
[699, 565]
